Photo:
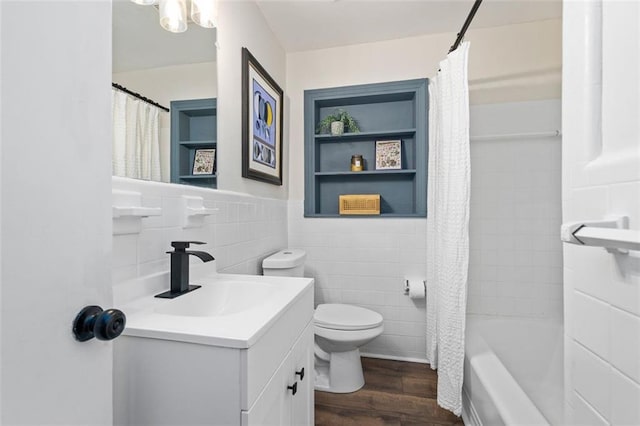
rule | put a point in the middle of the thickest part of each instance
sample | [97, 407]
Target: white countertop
[234, 329]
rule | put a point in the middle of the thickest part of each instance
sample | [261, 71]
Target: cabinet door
[277, 405]
[273, 406]
[302, 408]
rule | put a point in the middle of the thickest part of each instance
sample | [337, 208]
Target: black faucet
[180, 268]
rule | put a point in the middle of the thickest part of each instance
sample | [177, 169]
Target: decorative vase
[337, 128]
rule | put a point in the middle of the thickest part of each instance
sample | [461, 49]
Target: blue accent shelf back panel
[384, 111]
[193, 126]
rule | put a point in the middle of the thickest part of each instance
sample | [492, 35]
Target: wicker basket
[359, 204]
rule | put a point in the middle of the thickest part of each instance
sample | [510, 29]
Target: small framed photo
[203, 161]
[388, 155]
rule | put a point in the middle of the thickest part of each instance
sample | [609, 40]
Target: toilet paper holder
[406, 287]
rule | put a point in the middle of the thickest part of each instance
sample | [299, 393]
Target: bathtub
[513, 372]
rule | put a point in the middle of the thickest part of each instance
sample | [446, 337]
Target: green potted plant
[337, 123]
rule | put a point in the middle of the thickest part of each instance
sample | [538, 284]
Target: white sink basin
[220, 298]
[228, 310]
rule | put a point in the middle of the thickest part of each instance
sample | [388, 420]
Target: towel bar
[612, 234]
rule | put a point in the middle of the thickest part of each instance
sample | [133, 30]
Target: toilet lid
[345, 317]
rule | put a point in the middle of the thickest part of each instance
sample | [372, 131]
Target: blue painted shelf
[197, 177]
[193, 126]
[384, 111]
[197, 144]
[367, 172]
[366, 135]
[382, 215]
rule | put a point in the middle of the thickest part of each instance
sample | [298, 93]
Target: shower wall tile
[625, 351]
[592, 323]
[515, 250]
[625, 394]
[585, 414]
[239, 235]
[592, 379]
[601, 179]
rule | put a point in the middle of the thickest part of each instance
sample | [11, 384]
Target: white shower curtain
[448, 225]
[136, 142]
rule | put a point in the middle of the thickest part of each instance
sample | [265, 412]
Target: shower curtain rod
[139, 96]
[466, 24]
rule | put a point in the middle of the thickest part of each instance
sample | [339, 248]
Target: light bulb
[173, 15]
[204, 13]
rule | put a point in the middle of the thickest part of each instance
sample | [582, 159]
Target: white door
[55, 155]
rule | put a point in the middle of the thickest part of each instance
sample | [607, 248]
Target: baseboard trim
[395, 358]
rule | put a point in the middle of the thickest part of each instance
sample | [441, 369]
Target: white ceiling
[139, 42]
[308, 24]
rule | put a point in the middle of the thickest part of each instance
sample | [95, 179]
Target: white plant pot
[337, 128]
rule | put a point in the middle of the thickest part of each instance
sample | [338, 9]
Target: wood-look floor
[395, 394]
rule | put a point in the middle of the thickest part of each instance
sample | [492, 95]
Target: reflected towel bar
[612, 234]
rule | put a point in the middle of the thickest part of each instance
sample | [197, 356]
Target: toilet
[340, 330]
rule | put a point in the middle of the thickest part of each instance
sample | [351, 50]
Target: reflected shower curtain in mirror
[448, 225]
[136, 142]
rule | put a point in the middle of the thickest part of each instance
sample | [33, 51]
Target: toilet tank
[285, 263]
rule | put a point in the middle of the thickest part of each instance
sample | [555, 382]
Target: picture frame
[389, 155]
[262, 118]
[204, 161]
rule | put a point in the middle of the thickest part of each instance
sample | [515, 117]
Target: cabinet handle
[301, 374]
[294, 388]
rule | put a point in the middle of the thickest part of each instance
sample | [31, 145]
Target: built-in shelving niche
[384, 111]
[193, 126]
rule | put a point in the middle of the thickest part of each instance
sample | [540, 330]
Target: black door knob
[92, 322]
[294, 388]
[301, 374]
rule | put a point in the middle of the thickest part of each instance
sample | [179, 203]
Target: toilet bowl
[340, 330]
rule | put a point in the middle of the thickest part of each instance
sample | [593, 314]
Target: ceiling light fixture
[173, 13]
[203, 13]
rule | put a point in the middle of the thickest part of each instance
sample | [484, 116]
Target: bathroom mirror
[163, 67]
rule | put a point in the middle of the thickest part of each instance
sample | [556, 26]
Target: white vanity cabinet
[278, 404]
[164, 375]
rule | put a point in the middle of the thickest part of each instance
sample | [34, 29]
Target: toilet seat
[336, 316]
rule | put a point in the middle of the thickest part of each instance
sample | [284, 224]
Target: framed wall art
[203, 161]
[388, 155]
[262, 112]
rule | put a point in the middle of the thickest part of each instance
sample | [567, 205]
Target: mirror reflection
[172, 70]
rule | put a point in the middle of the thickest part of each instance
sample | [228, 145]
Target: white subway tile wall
[601, 177]
[243, 231]
[515, 260]
[364, 262]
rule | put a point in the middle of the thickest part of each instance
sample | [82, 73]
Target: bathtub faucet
[180, 268]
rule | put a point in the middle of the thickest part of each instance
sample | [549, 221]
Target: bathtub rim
[496, 381]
